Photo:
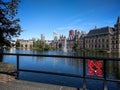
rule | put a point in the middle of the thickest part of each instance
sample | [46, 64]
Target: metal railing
[84, 76]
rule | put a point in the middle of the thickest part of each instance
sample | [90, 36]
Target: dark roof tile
[100, 31]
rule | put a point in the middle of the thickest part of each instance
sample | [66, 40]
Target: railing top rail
[64, 56]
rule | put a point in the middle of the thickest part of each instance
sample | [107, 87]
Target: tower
[42, 37]
[55, 35]
[117, 25]
[71, 34]
[117, 35]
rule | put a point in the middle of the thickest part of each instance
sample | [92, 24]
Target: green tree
[9, 25]
[76, 46]
[47, 47]
[39, 45]
[17, 44]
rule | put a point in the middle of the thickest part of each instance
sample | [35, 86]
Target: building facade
[99, 38]
[25, 44]
[105, 38]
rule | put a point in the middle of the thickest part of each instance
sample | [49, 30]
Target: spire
[118, 20]
[95, 27]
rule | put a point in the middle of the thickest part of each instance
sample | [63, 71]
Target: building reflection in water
[113, 69]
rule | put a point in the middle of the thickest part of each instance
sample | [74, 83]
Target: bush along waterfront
[42, 46]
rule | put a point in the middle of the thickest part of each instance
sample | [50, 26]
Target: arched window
[26, 46]
[22, 45]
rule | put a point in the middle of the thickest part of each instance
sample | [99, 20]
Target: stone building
[25, 44]
[61, 42]
[74, 36]
[71, 34]
[99, 38]
[70, 45]
[105, 38]
[81, 41]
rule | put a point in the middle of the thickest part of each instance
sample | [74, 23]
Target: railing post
[84, 74]
[17, 66]
[105, 81]
[84, 66]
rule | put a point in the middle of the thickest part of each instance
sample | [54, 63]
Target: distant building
[42, 37]
[74, 36]
[71, 34]
[55, 35]
[77, 35]
[105, 38]
[26, 44]
[48, 42]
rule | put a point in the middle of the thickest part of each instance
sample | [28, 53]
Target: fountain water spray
[65, 47]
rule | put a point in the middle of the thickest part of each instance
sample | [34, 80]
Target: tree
[17, 44]
[9, 25]
[76, 46]
[39, 45]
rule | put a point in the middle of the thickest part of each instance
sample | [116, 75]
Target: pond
[63, 65]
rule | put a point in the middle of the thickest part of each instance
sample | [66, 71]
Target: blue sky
[48, 16]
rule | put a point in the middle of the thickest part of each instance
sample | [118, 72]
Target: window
[102, 46]
[107, 46]
[116, 41]
[102, 40]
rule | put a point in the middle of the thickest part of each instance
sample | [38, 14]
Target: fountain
[65, 47]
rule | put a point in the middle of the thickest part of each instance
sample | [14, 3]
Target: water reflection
[98, 54]
[113, 69]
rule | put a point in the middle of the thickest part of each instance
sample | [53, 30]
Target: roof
[100, 31]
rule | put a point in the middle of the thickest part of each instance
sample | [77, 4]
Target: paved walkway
[26, 85]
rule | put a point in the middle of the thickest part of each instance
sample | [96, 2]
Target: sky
[47, 16]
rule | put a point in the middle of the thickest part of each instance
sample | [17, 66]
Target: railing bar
[95, 78]
[104, 69]
[18, 67]
[84, 74]
[112, 80]
[54, 73]
[64, 56]
[105, 81]
[70, 75]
